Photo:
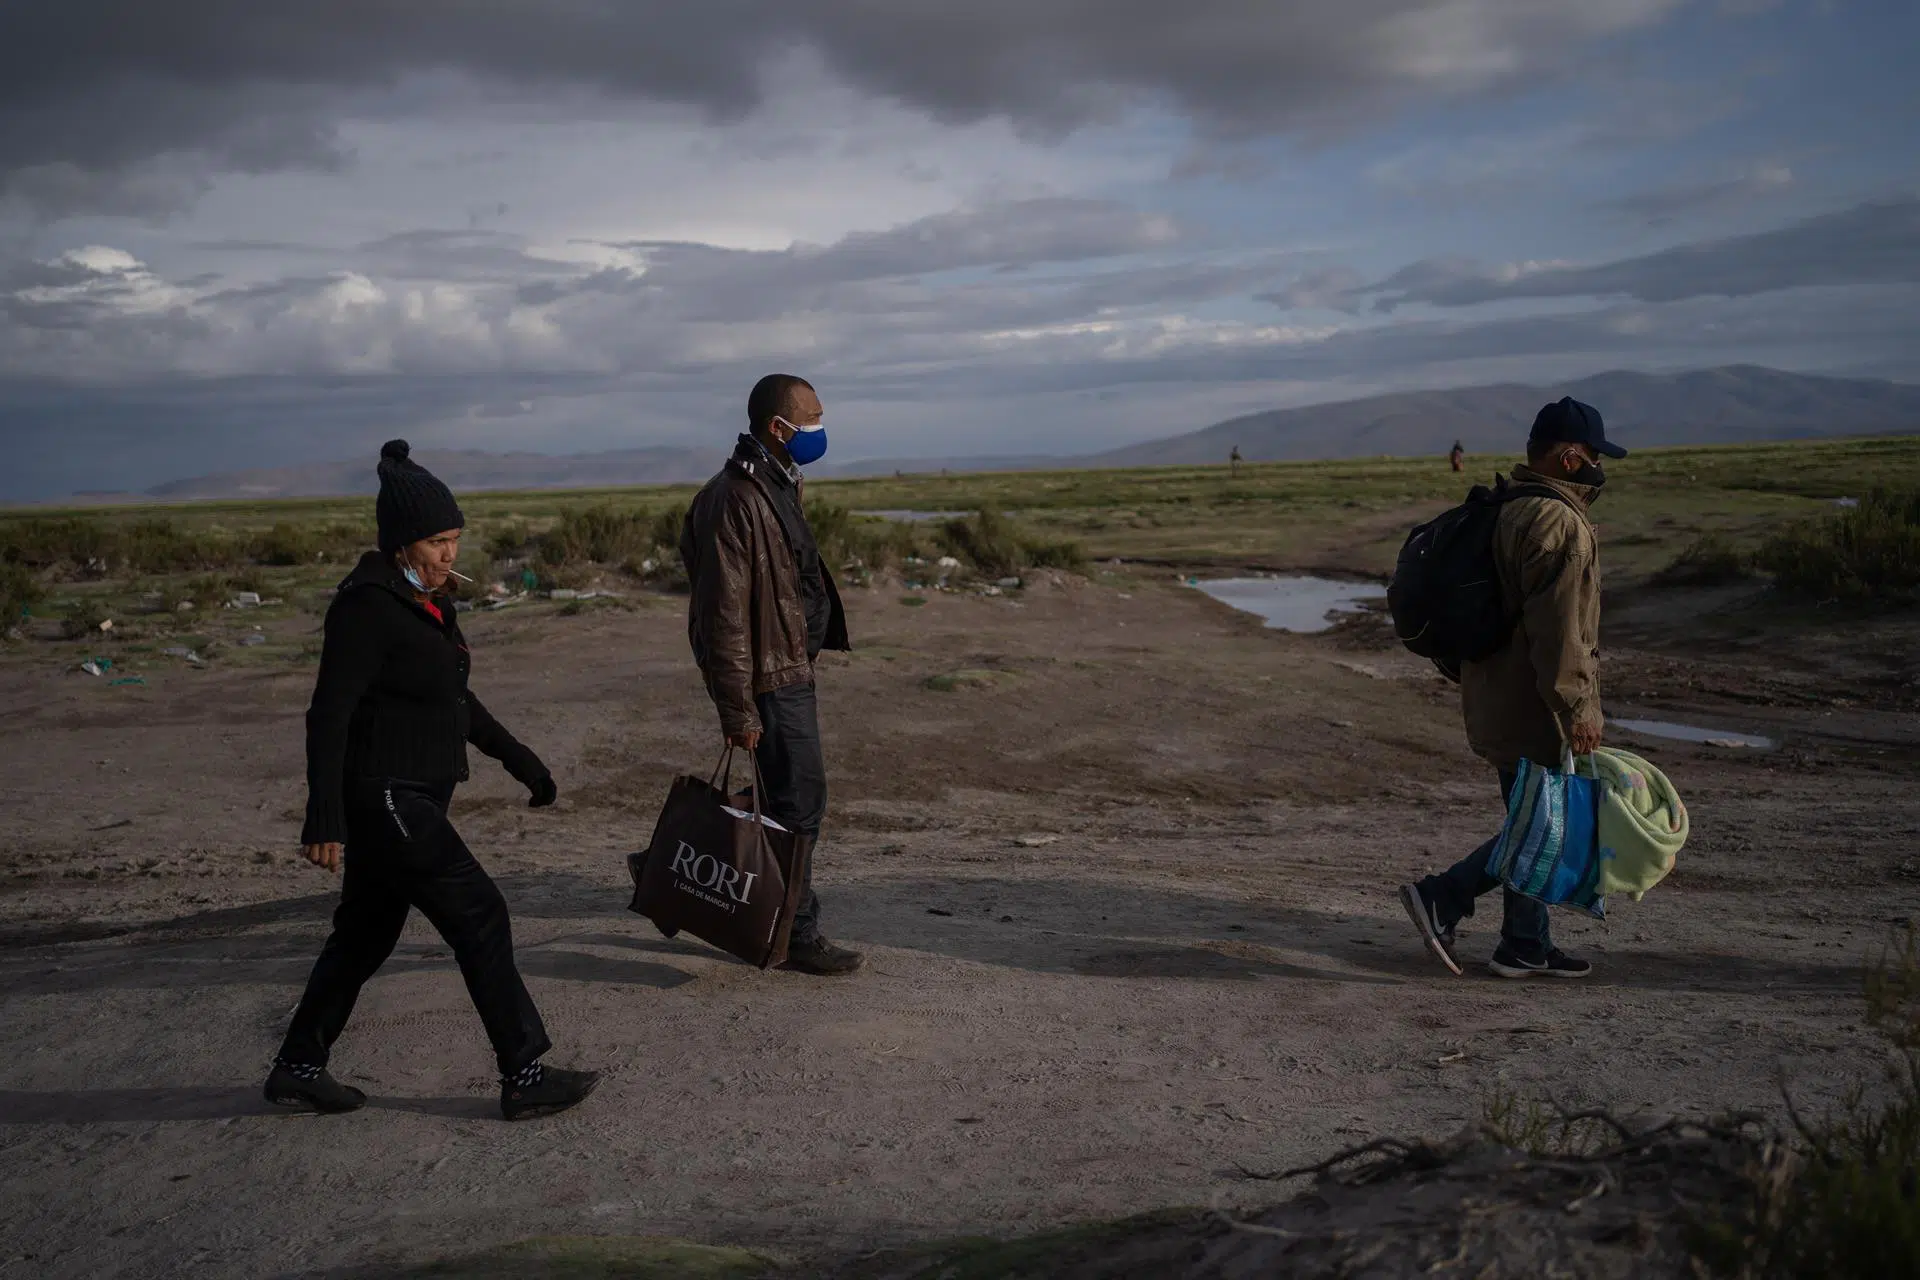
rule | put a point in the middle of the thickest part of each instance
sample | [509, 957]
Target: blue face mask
[413, 579]
[809, 444]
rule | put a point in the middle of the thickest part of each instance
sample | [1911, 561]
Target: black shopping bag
[729, 877]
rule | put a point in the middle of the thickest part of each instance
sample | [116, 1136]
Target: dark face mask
[1589, 473]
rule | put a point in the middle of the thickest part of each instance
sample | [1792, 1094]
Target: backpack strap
[1508, 491]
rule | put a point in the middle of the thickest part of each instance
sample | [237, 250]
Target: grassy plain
[1345, 515]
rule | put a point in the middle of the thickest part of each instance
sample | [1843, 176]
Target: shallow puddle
[1294, 603]
[1695, 733]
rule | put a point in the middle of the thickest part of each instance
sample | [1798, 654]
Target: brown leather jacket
[747, 620]
[1524, 700]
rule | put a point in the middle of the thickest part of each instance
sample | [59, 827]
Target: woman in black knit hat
[387, 737]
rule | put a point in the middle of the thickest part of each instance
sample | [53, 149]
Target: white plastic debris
[1008, 584]
[563, 593]
[947, 562]
[245, 600]
[252, 638]
[95, 666]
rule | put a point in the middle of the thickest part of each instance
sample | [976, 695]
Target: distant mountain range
[1711, 406]
[1742, 403]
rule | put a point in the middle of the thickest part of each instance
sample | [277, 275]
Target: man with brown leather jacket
[764, 606]
[1538, 696]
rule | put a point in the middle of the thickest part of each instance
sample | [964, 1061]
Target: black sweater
[392, 699]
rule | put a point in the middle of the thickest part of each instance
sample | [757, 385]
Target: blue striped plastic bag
[1549, 848]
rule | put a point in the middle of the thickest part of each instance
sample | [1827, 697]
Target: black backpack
[1445, 593]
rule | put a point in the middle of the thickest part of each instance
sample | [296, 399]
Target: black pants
[402, 853]
[795, 774]
[1524, 925]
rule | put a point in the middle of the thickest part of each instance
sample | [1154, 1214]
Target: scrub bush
[20, 590]
[995, 546]
[1868, 552]
[1708, 562]
[1843, 1201]
[849, 541]
[290, 544]
[602, 534]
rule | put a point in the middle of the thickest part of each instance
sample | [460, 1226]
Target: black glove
[543, 791]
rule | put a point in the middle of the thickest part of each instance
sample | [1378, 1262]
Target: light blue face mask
[809, 444]
[413, 579]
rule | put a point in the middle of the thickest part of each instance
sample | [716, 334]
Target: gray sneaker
[1439, 938]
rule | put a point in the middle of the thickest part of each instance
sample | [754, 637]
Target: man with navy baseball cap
[1537, 697]
[1567, 421]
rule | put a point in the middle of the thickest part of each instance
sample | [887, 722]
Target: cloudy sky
[240, 233]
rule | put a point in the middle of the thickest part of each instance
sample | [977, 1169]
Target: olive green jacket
[1524, 700]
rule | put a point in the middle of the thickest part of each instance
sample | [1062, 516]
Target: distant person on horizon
[763, 607]
[1537, 697]
[1233, 460]
[387, 737]
[1458, 456]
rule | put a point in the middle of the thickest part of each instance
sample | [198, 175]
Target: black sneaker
[821, 958]
[1509, 963]
[1439, 940]
[557, 1090]
[322, 1093]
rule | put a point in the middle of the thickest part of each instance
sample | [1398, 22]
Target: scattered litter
[463, 606]
[185, 606]
[128, 680]
[252, 638]
[1126, 595]
[183, 653]
[648, 565]
[97, 666]
[1455, 1056]
[106, 624]
[498, 591]
[245, 600]
[947, 562]
[505, 602]
[991, 591]
[563, 593]
[1007, 583]
[1035, 842]
[1361, 669]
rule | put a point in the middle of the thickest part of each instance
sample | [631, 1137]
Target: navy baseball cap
[1568, 421]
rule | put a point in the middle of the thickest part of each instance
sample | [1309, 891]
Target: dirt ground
[1126, 890]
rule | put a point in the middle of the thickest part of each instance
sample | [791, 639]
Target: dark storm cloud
[94, 88]
[1872, 243]
[1662, 205]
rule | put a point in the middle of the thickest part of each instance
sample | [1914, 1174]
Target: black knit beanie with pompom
[413, 504]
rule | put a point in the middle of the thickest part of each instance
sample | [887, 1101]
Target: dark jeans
[402, 852]
[795, 774]
[1452, 892]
